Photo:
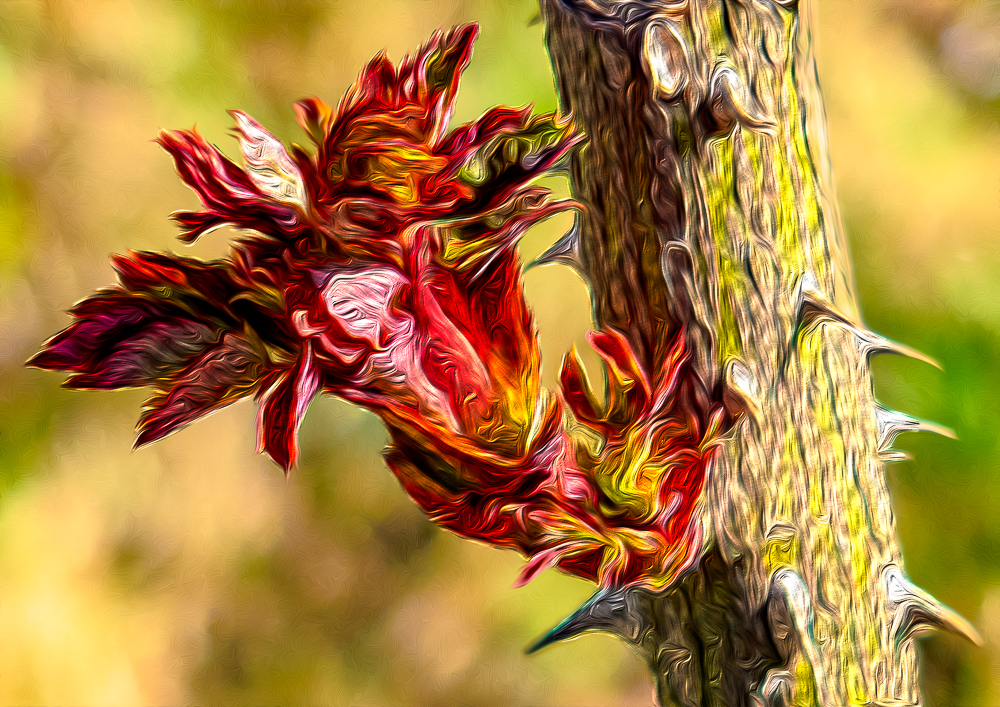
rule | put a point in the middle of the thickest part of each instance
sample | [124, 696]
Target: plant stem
[710, 211]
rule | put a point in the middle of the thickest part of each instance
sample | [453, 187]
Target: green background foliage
[192, 571]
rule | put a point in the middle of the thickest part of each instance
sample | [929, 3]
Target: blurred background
[191, 571]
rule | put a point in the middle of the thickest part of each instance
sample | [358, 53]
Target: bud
[383, 268]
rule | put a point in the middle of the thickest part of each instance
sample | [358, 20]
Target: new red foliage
[383, 268]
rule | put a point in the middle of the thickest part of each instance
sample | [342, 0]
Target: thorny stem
[709, 210]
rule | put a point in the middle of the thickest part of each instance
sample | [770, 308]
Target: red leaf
[228, 193]
[282, 408]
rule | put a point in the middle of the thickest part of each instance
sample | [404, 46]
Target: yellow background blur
[191, 571]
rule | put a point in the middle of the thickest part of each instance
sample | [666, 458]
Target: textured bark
[709, 210]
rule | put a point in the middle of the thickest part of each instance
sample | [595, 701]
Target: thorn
[792, 589]
[742, 377]
[810, 297]
[810, 284]
[742, 384]
[870, 343]
[777, 686]
[892, 423]
[566, 250]
[729, 97]
[678, 246]
[814, 307]
[916, 611]
[667, 58]
[894, 455]
[609, 610]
